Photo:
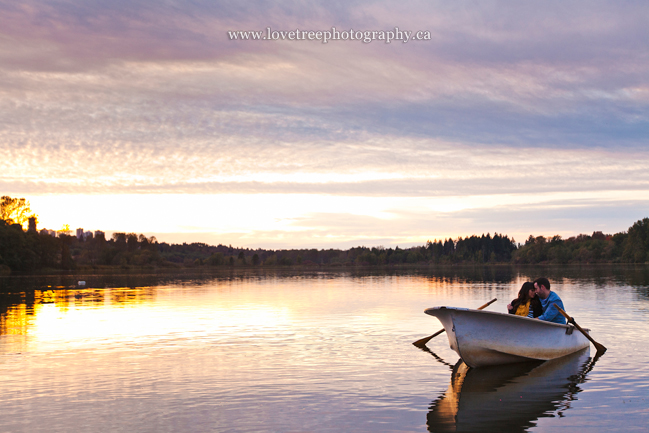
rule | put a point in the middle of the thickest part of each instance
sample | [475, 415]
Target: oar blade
[423, 341]
[600, 347]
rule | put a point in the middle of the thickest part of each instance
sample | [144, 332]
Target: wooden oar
[423, 341]
[600, 348]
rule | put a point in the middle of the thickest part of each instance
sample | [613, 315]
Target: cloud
[504, 99]
[195, 150]
[177, 161]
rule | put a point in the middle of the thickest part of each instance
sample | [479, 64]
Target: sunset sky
[139, 116]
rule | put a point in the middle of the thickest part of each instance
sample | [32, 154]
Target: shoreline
[119, 277]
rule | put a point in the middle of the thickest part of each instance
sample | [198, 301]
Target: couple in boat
[536, 300]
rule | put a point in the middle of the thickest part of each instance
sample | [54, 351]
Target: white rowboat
[483, 338]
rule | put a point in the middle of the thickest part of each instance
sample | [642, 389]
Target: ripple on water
[302, 354]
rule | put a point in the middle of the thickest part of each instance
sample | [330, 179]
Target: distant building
[48, 232]
[79, 234]
[100, 235]
[32, 224]
[87, 235]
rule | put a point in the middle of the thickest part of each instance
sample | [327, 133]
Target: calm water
[310, 352]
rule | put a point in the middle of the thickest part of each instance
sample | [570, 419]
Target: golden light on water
[84, 317]
[15, 320]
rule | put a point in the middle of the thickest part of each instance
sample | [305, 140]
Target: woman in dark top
[527, 304]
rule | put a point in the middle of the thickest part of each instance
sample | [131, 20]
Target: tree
[131, 241]
[15, 210]
[120, 241]
[65, 230]
[66, 258]
[637, 243]
[216, 259]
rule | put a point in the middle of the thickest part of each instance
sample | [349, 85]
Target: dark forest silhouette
[30, 251]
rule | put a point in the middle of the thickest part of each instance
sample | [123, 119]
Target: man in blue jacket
[548, 300]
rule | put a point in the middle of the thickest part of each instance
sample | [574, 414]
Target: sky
[521, 118]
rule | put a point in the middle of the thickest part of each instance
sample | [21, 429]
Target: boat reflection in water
[508, 397]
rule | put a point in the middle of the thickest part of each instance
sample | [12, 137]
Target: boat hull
[484, 338]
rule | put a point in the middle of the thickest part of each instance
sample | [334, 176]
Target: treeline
[631, 246]
[30, 251]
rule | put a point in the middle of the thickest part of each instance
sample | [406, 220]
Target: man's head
[542, 287]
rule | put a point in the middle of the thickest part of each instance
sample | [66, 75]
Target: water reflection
[22, 297]
[509, 397]
[15, 310]
[18, 310]
[322, 351]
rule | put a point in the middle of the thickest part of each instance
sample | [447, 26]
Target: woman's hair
[524, 292]
[523, 295]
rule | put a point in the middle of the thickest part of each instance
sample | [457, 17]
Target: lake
[312, 351]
